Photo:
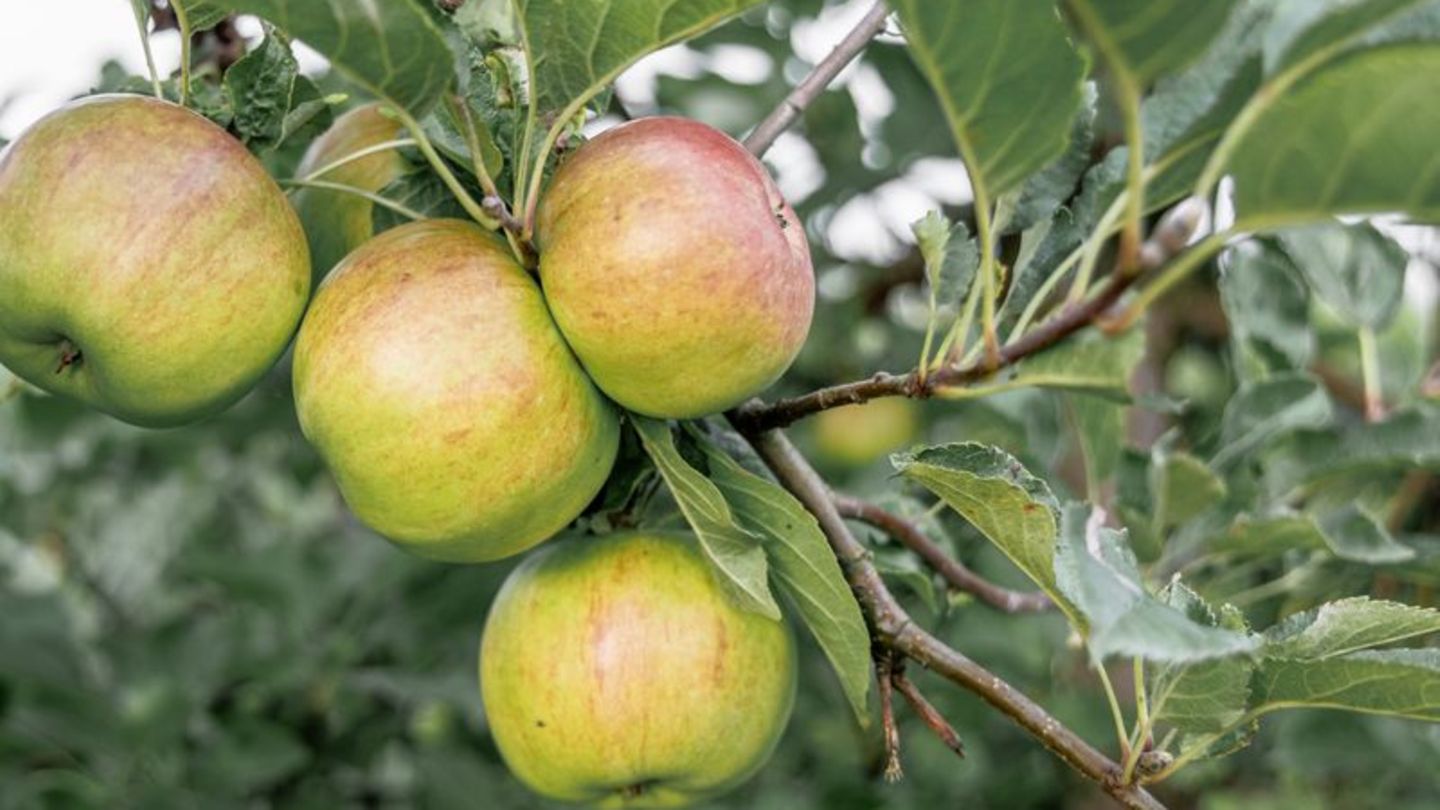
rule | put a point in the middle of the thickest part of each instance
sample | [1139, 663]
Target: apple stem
[634, 791]
[69, 356]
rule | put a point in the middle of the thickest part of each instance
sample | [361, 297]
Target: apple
[335, 221]
[855, 435]
[430, 377]
[616, 671]
[676, 270]
[148, 265]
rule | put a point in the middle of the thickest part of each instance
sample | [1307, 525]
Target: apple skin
[616, 672]
[676, 270]
[431, 379]
[149, 267]
[336, 222]
[856, 435]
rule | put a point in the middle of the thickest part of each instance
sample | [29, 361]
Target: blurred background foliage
[190, 618]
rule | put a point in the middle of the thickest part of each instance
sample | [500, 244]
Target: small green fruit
[674, 267]
[855, 435]
[337, 222]
[149, 267]
[615, 671]
[430, 377]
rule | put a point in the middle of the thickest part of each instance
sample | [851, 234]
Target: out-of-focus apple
[856, 435]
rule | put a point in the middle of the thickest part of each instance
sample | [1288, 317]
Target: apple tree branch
[891, 626]
[1168, 241]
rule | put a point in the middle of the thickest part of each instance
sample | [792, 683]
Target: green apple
[855, 435]
[676, 270]
[616, 671]
[432, 380]
[335, 221]
[148, 265]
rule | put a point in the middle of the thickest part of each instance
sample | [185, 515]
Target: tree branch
[884, 674]
[923, 708]
[891, 627]
[1169, 240]
[809, 88]
[953, 571]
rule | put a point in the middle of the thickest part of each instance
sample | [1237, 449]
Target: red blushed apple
[431, 379]
[675, 269]
[149, 267]
[617, 672]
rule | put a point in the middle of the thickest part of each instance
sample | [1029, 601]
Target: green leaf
[1183, 487]
[1184, 120]
[1261, 411]
[736, 553]
[1212, 746]
[1146, 38]
[1268, 307]
[1347, 626]
[1407, 439]
[1393, 682]
[1349, 533]
[805, 568]
[1100, 430]
[201, 14]
[1271, 535]
[1300, 29]
[1043, 247]
[1209, 696]
[1185, 115]
[1353, 533]
[393, 48]
[1000, 498]
[951, 259]
[495, 92]
[1007, 78]
[901, 565]
[1041, 195]
[270, 100]
[1357, 270]
[1097, 571]
[1091, 364]
[310, 113]
[251, 752]
[578, 47]
[1348, 149]
[1135, 502]
[421, 191]
[488, 22]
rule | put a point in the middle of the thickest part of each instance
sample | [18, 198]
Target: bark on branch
[892, 627]
[784, 116]
[952, 570]
[1168, 241]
